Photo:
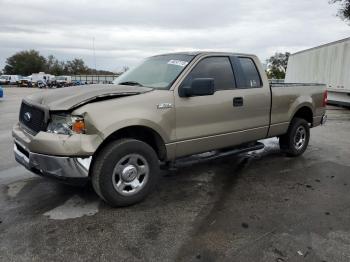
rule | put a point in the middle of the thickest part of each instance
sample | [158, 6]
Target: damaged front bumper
[71, 170]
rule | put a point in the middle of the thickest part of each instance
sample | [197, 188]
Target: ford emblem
[27, 116]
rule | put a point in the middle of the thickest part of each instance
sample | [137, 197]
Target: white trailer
[41, 76]
[327, 64]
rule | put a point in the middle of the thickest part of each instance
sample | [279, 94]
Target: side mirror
[198, 87]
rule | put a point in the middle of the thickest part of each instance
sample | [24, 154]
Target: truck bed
[286, 100]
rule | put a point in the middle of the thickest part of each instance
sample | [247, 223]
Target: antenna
[93, 50]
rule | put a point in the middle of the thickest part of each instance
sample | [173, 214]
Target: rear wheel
[125, 172]
[295, 142]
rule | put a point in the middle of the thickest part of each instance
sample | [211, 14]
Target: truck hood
[69, 98]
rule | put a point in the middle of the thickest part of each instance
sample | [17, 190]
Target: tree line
[276, 65]
[344, 9]
[31, 61]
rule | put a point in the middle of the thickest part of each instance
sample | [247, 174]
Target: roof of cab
[195, 53]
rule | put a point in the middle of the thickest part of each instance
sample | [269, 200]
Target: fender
[300, 102]
[135, 122]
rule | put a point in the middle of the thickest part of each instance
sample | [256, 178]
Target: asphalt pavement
[258, 206]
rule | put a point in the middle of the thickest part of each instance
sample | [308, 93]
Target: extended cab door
[237, 112]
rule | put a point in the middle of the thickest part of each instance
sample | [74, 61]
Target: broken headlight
[66, 124]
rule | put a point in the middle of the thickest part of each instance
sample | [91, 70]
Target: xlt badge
[164, 105]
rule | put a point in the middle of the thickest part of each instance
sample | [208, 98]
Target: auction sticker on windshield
[178, 63]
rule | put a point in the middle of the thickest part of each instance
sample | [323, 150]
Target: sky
[126, 31]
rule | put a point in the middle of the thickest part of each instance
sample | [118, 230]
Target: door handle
[238, 101]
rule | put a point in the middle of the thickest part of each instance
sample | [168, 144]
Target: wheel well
[304, 113]
[142, 133]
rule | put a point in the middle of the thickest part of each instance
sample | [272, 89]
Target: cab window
[247, 75]
[218, 68]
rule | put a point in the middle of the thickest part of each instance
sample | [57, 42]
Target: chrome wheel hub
[130, 174]
[300, 137]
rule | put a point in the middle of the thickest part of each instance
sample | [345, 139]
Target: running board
[199, 158]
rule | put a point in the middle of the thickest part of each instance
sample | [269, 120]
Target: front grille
[34, 121]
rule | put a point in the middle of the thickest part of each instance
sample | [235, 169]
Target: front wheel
[125, 172]
[295, 142]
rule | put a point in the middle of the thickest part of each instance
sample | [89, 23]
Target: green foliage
[29, 62]
[76, 66]
[53, 66]
[344, 10]
[275, 74]
[277, 65]
[25, 63]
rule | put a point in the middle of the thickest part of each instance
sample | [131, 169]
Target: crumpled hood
[68, 98]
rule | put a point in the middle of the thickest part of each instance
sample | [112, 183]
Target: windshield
[157, 72]
[3, 77]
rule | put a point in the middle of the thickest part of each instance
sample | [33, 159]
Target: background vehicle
[41, 84]
[9, 79]
[4, 80]
[77, 83]
[167, 108]
[63, 81]
[41, 78]
[25, 82]
[327, 64]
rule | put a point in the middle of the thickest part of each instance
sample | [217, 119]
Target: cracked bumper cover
[63, 157]
[67, 169]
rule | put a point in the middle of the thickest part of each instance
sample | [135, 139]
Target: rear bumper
[70, 170]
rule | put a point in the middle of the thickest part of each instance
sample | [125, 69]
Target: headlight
[66, 124]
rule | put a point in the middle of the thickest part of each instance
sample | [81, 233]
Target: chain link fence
[95, 79]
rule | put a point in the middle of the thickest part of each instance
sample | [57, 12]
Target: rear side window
[218, 68]
[246, 72]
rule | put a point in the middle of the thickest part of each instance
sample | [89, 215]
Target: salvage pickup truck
[167, 108]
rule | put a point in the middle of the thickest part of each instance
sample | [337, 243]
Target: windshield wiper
[130, 83]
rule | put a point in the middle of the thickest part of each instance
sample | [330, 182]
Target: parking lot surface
[258, 206]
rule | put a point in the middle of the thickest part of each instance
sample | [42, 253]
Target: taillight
[325, 98]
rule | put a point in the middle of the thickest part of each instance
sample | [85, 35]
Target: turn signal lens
[66, 124]
[79, 126]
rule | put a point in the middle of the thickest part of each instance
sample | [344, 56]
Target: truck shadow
[209, 180]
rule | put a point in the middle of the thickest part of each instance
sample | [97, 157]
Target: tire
[296, 140]
[125, 172]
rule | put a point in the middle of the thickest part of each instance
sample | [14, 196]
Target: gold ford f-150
[168, 107]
